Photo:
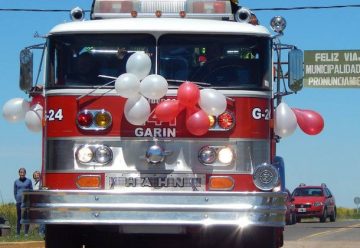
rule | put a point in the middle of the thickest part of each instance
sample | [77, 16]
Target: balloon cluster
[287, 119]
[136, 85]
[211, 102]
[18, 109]
[128, 85]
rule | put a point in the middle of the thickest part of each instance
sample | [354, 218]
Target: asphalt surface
[312, 234]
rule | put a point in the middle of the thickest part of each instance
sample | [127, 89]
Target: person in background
[36, 177]
[36, 186]
[21, 184]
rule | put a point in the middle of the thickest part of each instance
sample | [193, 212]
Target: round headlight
[84, 154]
[225, 155]
[266, 177]
[103, 154]
[207, 155]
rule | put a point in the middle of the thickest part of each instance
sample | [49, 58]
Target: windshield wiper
[99, 87]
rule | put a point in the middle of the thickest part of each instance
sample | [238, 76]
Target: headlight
[226, 155]
[103, 154]
[266, 177]
[94, 155]
[84, 154]
[317, 204]
[207, 155]
[216, 155]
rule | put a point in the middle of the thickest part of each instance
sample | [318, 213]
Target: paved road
[341, 234]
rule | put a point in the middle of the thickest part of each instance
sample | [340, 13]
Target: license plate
[154, 182]
[302, 210]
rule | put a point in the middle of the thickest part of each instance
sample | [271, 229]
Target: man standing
[20, 185]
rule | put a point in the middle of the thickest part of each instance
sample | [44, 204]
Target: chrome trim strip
[110, 139]
[171, 92]
[175, 208]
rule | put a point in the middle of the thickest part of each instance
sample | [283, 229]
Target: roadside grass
[8, 211]
[348, 213]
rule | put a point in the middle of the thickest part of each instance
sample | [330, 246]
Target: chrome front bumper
[160, 208]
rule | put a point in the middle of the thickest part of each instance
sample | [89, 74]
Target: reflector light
[221, 183]
[88, 182]
[212, 121]
[103, 119]
[85, 119]
[96, 120]
[226, 120]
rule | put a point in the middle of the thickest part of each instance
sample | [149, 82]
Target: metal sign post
[357, 202]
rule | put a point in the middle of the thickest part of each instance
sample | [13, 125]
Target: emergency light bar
[207, 9]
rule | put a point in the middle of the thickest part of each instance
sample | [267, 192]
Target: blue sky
[331, 157]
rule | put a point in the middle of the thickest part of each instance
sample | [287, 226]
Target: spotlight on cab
[77, 14]
[278, 24]
[242, 15]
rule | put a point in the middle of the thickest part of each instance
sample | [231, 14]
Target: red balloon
[198, 123]
[309, 121]
[188, 94]
[167, 110]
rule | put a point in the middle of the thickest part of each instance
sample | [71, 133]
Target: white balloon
[285, 120]
[139, 64]
[33, 118]
[154, 87]
[212, 102]
[15, 109]
[137, 110]
[127, 85]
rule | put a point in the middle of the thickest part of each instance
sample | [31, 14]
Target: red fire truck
[108, 181]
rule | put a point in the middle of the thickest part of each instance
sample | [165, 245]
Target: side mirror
[296, 70]
[26, 69]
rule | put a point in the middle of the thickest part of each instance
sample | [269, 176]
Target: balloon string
[152, 112]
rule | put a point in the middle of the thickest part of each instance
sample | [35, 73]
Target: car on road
[314, 201]
[290, 215]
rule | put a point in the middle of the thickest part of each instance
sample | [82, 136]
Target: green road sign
[332, 69]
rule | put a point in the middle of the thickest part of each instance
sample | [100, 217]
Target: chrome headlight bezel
[98, 155]
[216, 156]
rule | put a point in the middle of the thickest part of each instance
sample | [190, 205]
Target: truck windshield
[78, 60]
[223, 61]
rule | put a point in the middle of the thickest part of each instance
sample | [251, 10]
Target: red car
[290, 215]
[314, 201]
